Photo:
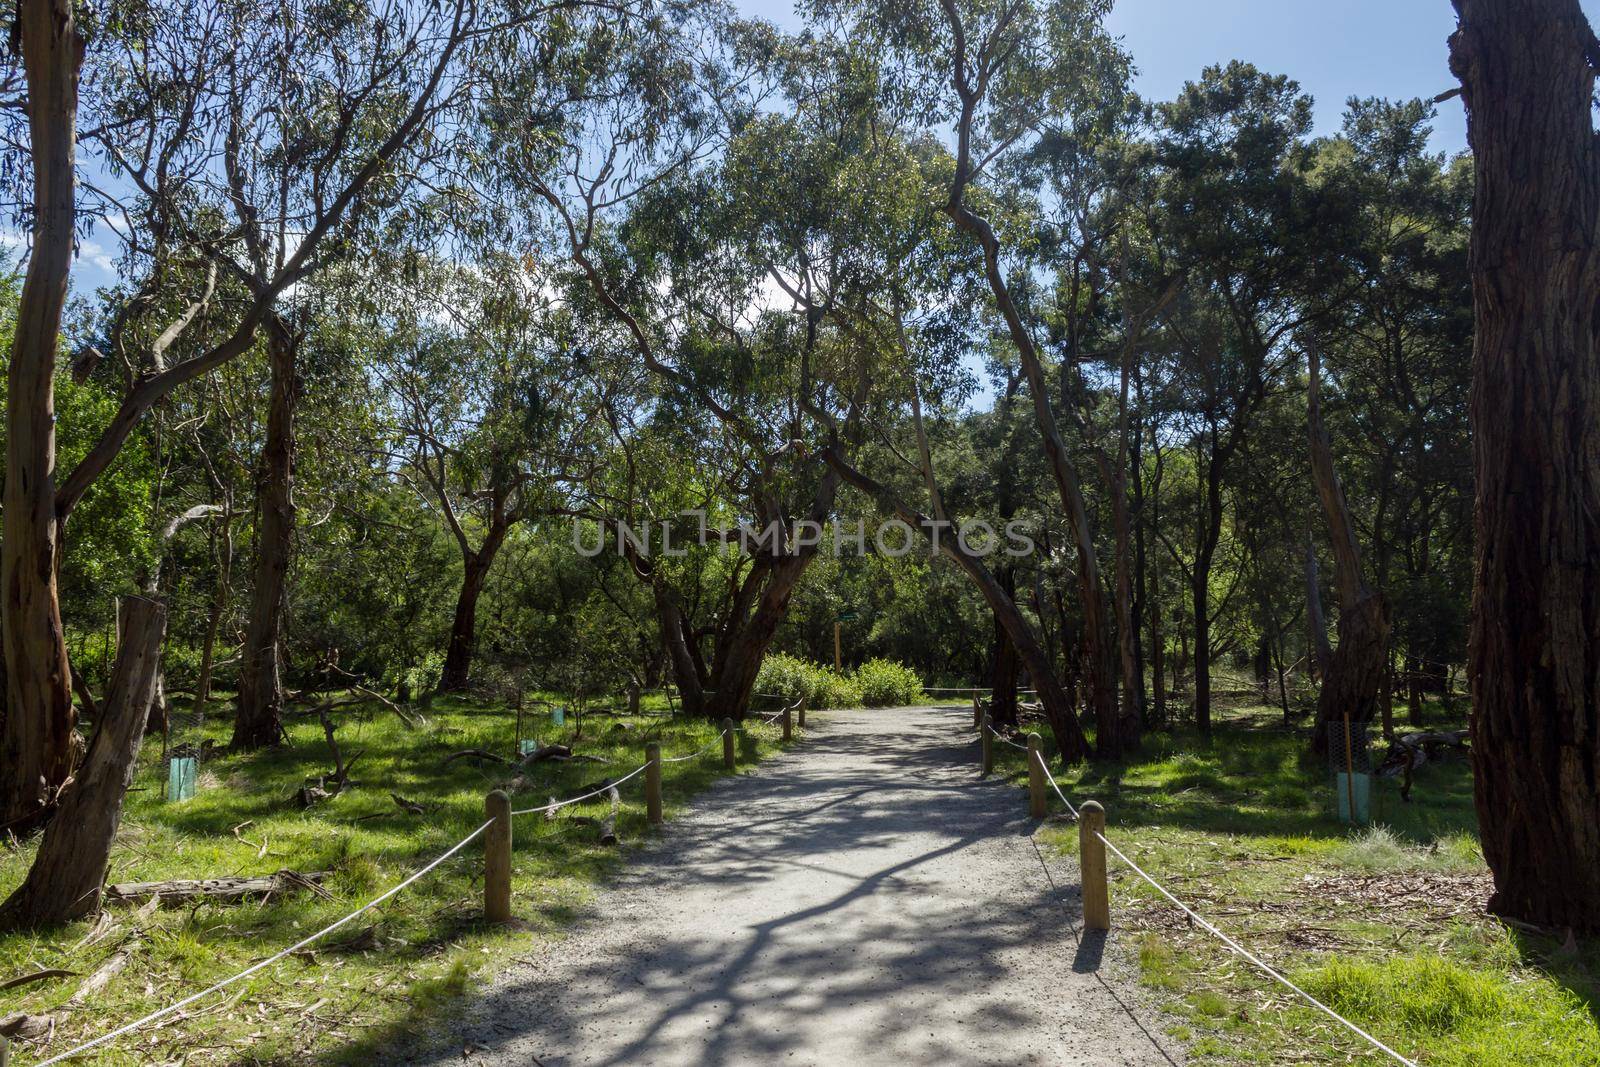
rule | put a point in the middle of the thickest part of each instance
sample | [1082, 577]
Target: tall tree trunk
[742, 647]
[1003, 703]
[674, 636]
[1320, 661]
[1527, 69]
[222, 556]
[37, 747]
[1355, 676]
[65, 880]
[457, 673]
[1158, 650]
[260, 723]
[1414, 713]
[1200, 593]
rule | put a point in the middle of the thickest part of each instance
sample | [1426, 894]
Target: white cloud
[97, 254]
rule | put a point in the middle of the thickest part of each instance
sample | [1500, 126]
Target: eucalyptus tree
[1398, 376]
[1527, 71]
[1001, 76]
[1237, 214]
[180, 94]
[494, 409]
[647, 214]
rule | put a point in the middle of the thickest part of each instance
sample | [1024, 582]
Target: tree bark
[65, 880]
[1200, 585]
[1355, 675]
[260, 723]
[457, 673]
[1527, 70]
[36, 745]
[223, 557]
[1003, 703]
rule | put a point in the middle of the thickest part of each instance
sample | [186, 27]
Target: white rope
[1006, 739]
[1211, 928]
[1252, 957]
[1039, 758]
[578, 800]
[269, 961]
[360, 911]
[701, 751]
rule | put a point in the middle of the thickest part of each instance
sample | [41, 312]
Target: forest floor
[398, 964]
[1385, 924]
[865, 899]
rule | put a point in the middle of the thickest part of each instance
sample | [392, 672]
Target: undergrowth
[383, 977]
[1386, 924]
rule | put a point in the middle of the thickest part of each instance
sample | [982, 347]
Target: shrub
[877, 683]
[885, 683]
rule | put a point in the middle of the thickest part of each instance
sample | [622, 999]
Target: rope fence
[1092, 845]
[497, 869]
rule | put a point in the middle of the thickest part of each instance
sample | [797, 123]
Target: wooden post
[497, 858]
[5, 1052]
[788, 723]
[977, 711]
[727, 743]
[1036, 784]
[838, 658]
[652, 783]
[803, 702]
[986, 743]
[1092, 866]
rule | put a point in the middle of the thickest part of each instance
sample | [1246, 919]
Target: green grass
[1384, 924]
[383, 976]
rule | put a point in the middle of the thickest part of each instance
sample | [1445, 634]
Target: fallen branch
[217, 890]
[37, 976]
[101, 977]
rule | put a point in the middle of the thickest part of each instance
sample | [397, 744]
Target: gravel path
[861, 899]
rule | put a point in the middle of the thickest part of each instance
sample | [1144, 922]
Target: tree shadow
[871, 899]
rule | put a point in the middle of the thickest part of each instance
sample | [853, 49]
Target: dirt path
[862, 899]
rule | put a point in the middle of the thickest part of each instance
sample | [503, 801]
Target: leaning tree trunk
[745, 644]
[36, 742]
[260, 723]
[457, 672]
[1527, 70]
[1355, 677]
[1059, 712]
[675, 639]
[1101, 675]
[65, 880]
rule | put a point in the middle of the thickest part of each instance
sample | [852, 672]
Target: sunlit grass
[1385, 923]
[386, 972]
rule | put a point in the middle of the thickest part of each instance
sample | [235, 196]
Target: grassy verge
[1386, 924]
[371, 981]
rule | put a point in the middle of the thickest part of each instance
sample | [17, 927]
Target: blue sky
[1335, 50]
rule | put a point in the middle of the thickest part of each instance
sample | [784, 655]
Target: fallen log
[217, 890]
[1413, 750]
[544, 752]
[24, 1027]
